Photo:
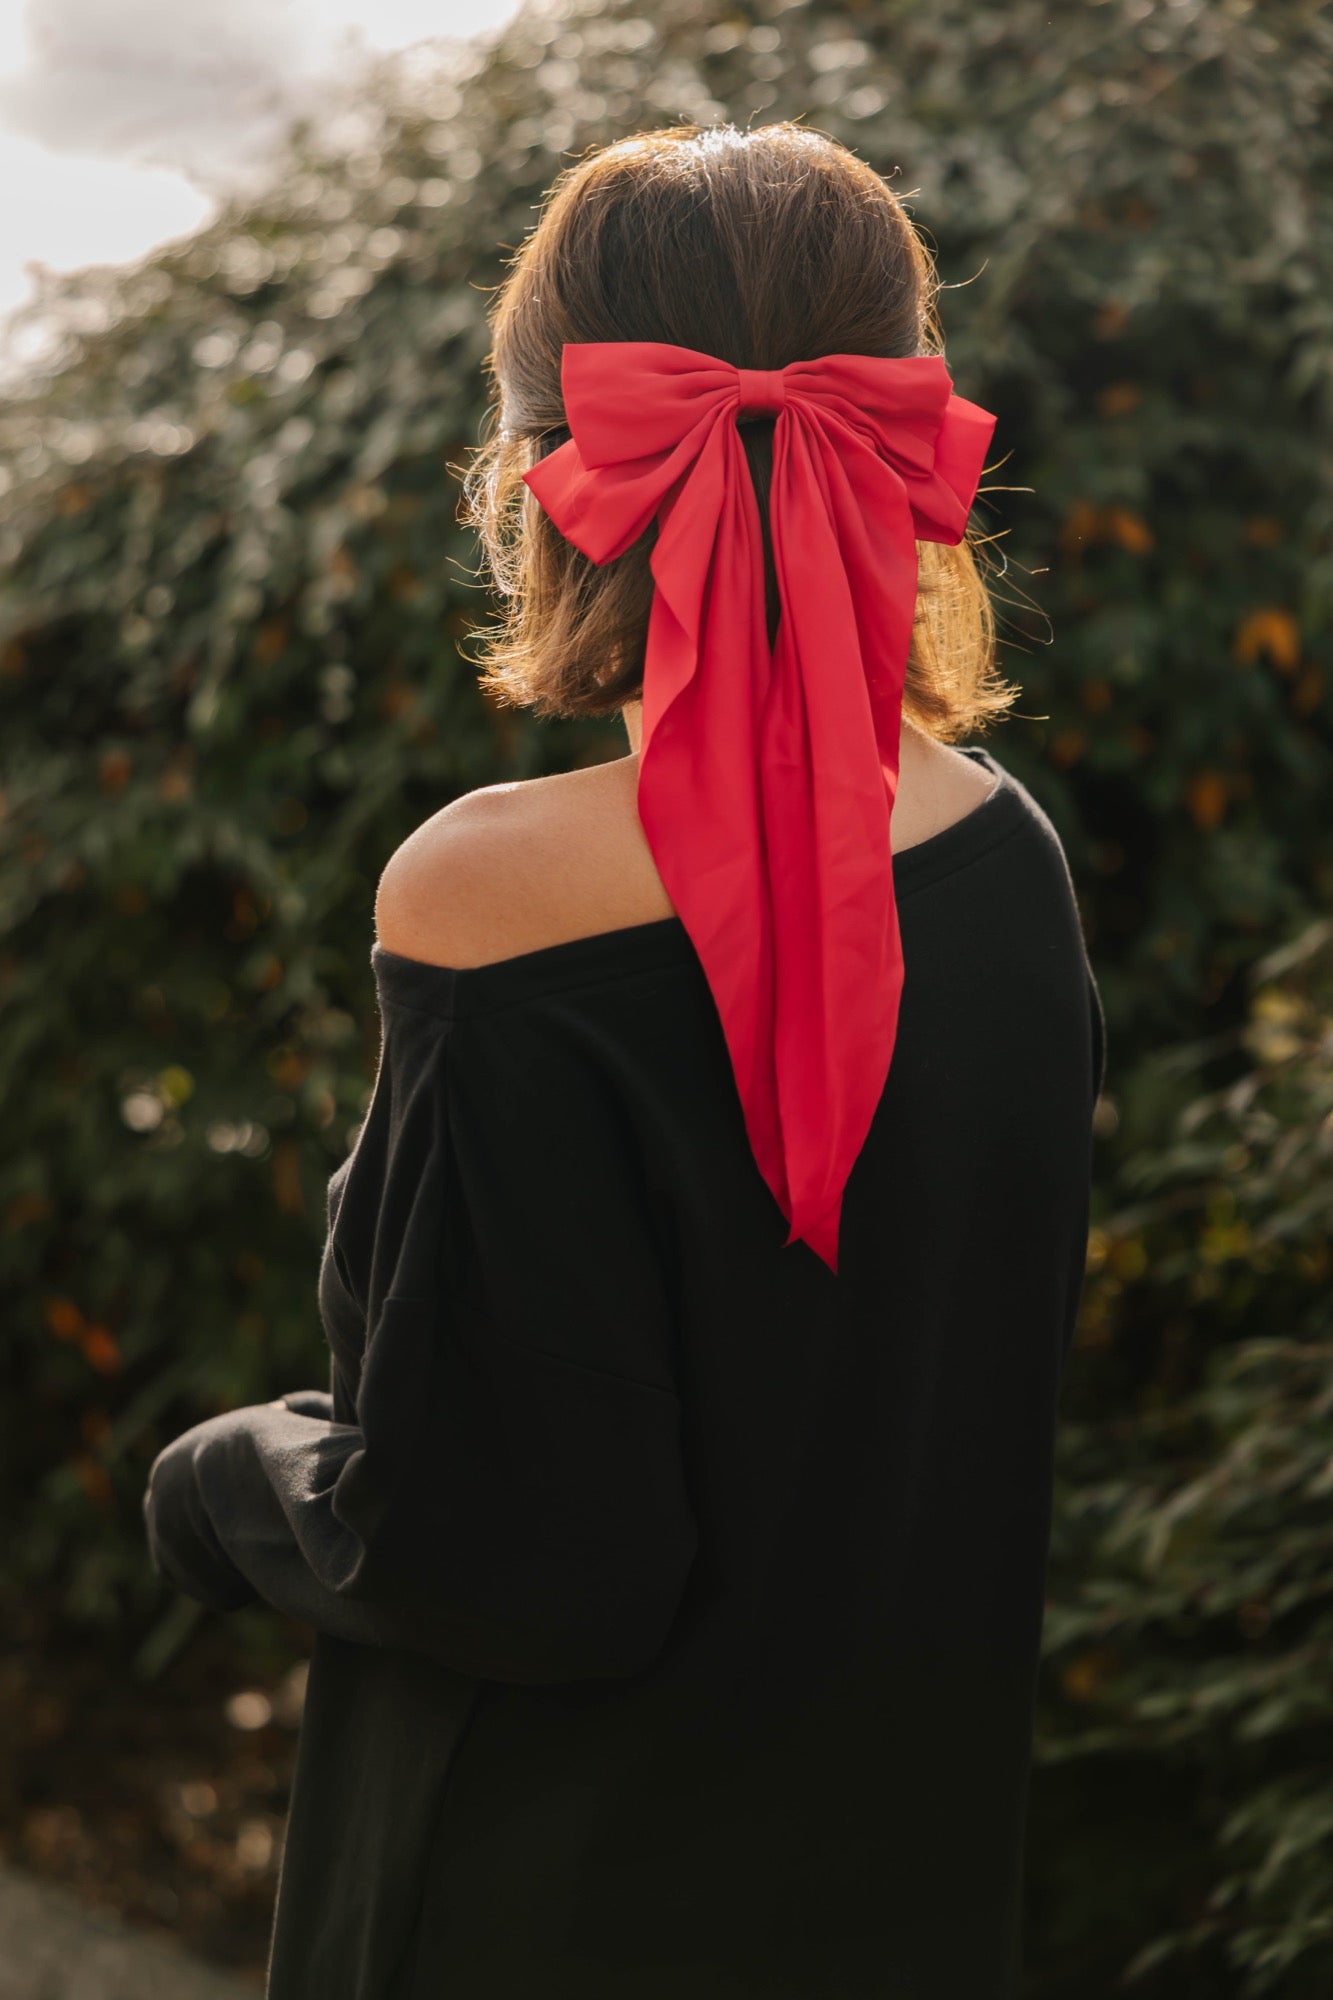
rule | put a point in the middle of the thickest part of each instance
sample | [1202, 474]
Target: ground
[162, 1804]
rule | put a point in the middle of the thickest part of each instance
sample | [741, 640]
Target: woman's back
[697, 1289]
[718, 1578]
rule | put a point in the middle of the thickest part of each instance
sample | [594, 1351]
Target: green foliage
[1192, 1618]
[234, 605]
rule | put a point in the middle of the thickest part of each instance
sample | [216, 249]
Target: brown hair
[760, 247]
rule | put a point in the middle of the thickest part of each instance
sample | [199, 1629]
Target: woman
[699, 1285]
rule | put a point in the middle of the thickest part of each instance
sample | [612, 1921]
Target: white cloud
[119, 125]
[65, 213]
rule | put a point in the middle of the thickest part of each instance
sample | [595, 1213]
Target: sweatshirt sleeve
[509, 1497]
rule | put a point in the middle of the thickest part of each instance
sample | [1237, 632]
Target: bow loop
[767, 778]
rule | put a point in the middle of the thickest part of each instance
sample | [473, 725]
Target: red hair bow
[767, 780]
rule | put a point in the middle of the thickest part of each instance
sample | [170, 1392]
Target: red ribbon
[767, 780]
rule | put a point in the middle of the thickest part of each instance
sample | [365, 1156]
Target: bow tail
[700, 781]
[829, 766]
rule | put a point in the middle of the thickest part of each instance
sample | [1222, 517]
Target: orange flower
[1206, 794]
[1117, 399]
[1272, 631]
[1083, 1676]
[114, 771]
[100, 1350]
[63, 1319]
[286, 1170]
[1129, 529]
[22, 1210]
[96, 1482]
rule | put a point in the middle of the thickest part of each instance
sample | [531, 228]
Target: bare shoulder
[509, 868]
[439, 865]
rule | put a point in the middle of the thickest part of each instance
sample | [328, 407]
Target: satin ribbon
[767, 778]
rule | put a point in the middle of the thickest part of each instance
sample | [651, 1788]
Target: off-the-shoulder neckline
[468, 989]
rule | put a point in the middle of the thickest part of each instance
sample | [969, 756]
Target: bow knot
[763, 391]
[767, 777]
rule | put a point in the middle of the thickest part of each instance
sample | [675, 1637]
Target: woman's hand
[182, 1544]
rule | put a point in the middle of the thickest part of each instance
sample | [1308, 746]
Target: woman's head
[760, 247]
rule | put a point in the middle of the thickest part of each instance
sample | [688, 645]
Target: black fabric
[676, 1603]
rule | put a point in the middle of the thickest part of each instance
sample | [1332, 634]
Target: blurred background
[244, 267]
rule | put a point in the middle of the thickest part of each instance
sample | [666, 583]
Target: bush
[1191, 1627]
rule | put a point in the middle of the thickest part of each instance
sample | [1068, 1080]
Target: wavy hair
[760, 247]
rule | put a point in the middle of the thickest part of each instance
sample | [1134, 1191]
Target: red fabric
[766, 780]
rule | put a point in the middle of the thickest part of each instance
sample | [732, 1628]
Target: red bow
[766, 781]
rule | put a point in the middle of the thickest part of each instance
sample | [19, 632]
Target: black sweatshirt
[676, 1602]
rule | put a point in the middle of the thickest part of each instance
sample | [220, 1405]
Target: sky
[119, 124]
